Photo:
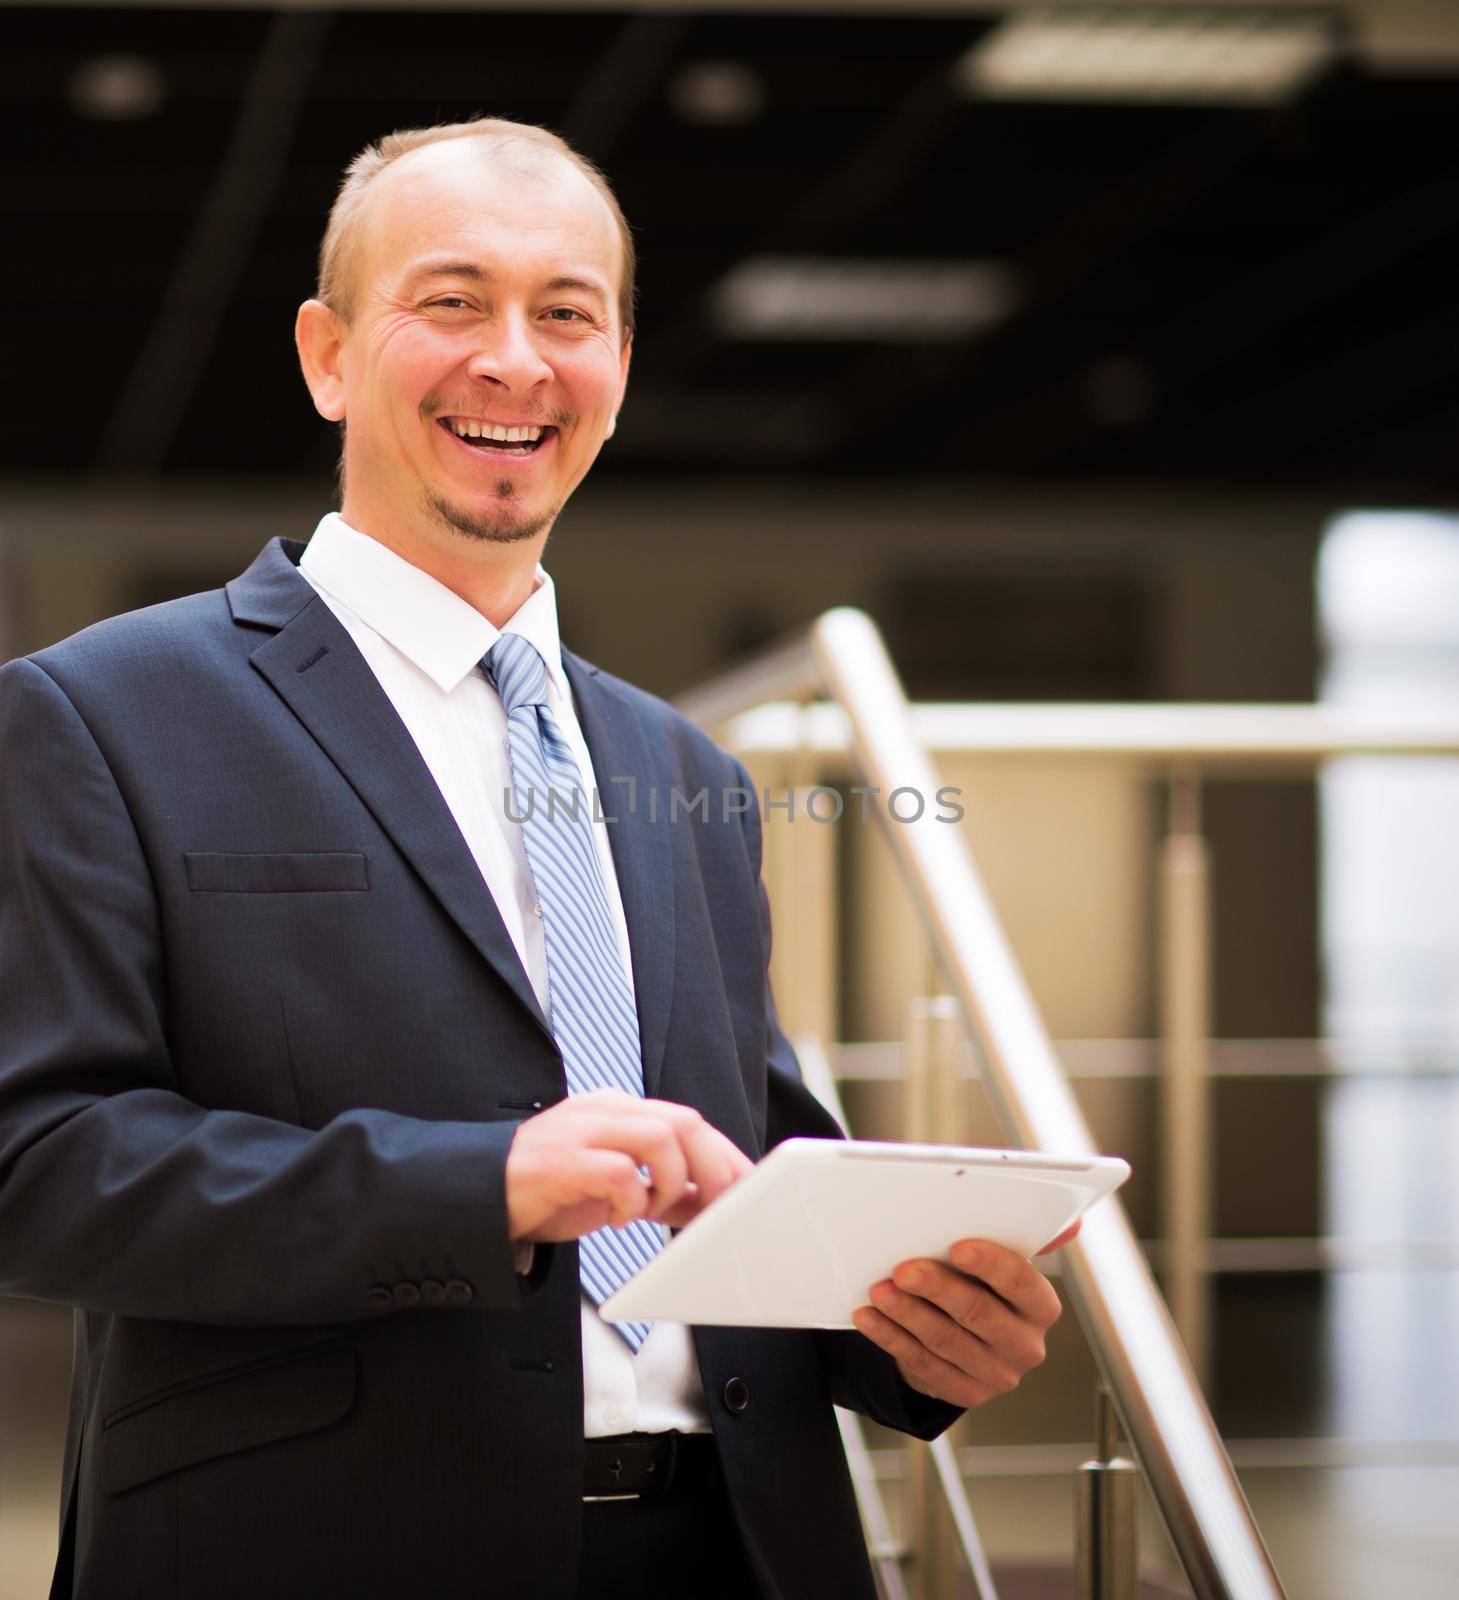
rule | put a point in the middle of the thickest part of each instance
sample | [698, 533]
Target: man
[316, 1066]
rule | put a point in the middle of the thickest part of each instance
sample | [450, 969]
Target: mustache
[434, 406]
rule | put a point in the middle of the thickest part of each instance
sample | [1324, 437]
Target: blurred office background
[1104, 355]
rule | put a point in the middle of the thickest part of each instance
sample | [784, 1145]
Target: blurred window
[1388, 600]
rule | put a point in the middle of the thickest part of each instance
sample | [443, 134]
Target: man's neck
[495, 579]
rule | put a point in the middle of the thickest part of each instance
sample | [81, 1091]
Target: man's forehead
[448, 199]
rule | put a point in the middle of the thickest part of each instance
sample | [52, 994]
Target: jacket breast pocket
[297, 872]
[223, 1413]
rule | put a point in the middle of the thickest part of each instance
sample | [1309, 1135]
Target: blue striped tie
[593, 1016]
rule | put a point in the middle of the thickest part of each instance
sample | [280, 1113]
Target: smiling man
[450, 435]
[335, 1099]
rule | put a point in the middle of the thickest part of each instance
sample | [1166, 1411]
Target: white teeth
[527, 434]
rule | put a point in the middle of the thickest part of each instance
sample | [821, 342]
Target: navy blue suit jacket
[264, 1042]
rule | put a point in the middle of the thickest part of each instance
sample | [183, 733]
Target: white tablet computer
[799, 1241]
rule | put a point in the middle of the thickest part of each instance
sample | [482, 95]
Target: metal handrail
[1134, 1341]
[1245, 740]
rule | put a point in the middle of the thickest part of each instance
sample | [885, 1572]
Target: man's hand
[967, 1332]
[575, 1167]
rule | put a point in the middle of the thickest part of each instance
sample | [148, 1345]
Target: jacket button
[458, 1291]
[433, 1291]
[379, 1296]
[736, 1396]
[407, 1294]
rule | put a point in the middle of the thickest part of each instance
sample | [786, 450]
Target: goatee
[506, 523]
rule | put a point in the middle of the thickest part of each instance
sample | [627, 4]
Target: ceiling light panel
[117, 88]
[1170, 55]
[820, 298]
[717, 94]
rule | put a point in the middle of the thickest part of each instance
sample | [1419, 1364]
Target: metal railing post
[817, 833]
[1185, 1101]
[930, 1112]
[800, 876]
[886, 1551]
[1107, 1543]
[937, 1517]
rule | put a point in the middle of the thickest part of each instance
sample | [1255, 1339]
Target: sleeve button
[407, 1294]
[459, 1292]
[736, 1396]
[433, 1291]
[379, 1296]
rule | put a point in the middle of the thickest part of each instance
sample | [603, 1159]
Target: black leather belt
[631, 1466]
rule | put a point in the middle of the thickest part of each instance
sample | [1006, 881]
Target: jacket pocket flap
[225, 1414]
[302, 872]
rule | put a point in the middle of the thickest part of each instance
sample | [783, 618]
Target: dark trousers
[680, 1545]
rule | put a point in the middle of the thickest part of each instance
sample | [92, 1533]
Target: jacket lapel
[641, 839]
[314, 667]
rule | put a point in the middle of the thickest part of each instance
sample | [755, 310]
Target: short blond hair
[337, 253]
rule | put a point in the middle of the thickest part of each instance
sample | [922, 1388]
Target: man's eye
[449, 302]
[567, 314]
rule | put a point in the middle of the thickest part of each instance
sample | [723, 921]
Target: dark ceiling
[1234, 296]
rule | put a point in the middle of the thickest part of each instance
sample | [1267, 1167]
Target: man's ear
[319, 337]
[624, 359]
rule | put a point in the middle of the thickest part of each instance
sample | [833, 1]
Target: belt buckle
[616, 1467]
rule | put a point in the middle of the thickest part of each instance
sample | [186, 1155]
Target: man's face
[486, 298]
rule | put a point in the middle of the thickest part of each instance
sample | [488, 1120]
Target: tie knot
[515, 667]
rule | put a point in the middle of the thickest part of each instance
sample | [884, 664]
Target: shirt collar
[431, 627]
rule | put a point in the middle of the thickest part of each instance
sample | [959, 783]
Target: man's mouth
[520, 439]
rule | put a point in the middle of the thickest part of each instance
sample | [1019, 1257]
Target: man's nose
[509, 353]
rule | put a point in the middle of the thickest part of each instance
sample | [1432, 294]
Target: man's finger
[967, 1301]
[965, 1323]
[1010, 1276]
[667, 1163]
[685, 1212]
[715, 1163]
[613, 1178]
[921, 1367]
[638, 1129]
[548, 1176]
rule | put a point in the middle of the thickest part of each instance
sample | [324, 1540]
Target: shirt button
[537, 909]
[613, 1416]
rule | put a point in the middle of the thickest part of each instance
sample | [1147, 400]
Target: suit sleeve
[117, 1192]
[862, 1377]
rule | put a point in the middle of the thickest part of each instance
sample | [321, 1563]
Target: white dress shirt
[424, 644]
